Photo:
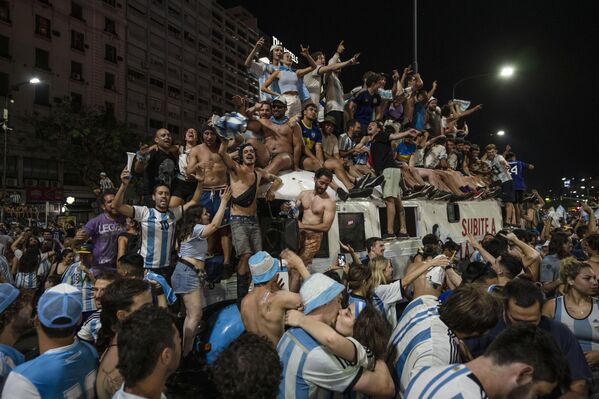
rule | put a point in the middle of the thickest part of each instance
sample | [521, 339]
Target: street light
[506, 72]
[70, 200]
[500, 133]
[8, 99]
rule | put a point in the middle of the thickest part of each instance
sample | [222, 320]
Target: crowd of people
[113, 309]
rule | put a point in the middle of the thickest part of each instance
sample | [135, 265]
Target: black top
[246, 199]
[162, 168]
[133, 243]
[381, 153]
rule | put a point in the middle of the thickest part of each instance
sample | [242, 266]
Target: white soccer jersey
[448, 382]
[157, 234]
[421, 340]
[312, 372]
[385, 297]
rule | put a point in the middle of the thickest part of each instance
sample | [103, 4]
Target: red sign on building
[43, 194]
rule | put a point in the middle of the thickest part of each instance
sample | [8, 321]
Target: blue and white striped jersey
[66, 372]
[447, 382]
[89, 329]
[157, 234]
[5, 272]
[586, 330]
[310, 371]
[83, 282]
[385, 297]
[359, 301]
[421, 340]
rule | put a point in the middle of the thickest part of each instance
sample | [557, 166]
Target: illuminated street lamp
[506, 72]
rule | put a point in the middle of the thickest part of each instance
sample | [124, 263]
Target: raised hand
[259, 43]
[125, 176]
[226, 195]
[395, 76]
[305, 51]
[238, 101]
[340, 48]
[346, 247]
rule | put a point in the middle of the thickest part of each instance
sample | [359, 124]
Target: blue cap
[319, 290]
[263, 267]
[60, 306]
[8, 294]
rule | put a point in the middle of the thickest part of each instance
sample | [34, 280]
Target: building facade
[153, 63]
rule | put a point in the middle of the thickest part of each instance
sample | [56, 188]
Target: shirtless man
[256, 137]
[318, 215]
[263, 309]
[215, 183]
[282, 137]
[245, 229]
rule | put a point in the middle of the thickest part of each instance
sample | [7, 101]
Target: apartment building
[76, 49]
[153, 63]
[185, 62]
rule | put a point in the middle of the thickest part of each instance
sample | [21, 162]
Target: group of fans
[116, 305]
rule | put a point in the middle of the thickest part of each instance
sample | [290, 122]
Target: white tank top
[586, 329]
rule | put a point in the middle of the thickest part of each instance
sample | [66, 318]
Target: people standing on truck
[500, 171]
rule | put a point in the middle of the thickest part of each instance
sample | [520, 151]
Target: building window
[42, 26]
[34, 168]
[154, 124]
[42, 94]
[76, 10]
[4, 46]
[42, 59]
[109, 82]
[134, 75]
[174, 129]
[174, 92]
[4, 11]
[77, 41]
[76, 101]
[109, 25]
[110, 53]
[76, 71]
[110, 2]
[109, 108]
[157, 82]
[3, 84]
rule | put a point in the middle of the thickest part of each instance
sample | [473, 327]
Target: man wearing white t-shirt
[157, 224]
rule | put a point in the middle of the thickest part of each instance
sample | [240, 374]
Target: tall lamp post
[7, 100]
[505, 73]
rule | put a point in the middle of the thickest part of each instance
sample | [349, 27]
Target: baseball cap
[8, 294]
[85, 248]
[60, 306]
[274, 46]
[263, 267]
[331, 120]
[280, 99]
[319, 290]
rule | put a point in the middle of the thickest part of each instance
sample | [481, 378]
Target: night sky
[548, 109]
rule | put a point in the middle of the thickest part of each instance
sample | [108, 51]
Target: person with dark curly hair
[120, 299]
[237, 373]
[146, 364]
[15, 319]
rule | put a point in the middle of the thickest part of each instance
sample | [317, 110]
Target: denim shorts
[184, 280]
[210, 200]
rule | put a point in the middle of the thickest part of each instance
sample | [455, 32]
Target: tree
[87, 139]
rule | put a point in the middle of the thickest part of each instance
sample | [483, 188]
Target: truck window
[453, 213]
[351, 230]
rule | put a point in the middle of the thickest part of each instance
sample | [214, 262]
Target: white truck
[356, 220]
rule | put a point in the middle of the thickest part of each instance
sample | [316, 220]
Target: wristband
[141, 158]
